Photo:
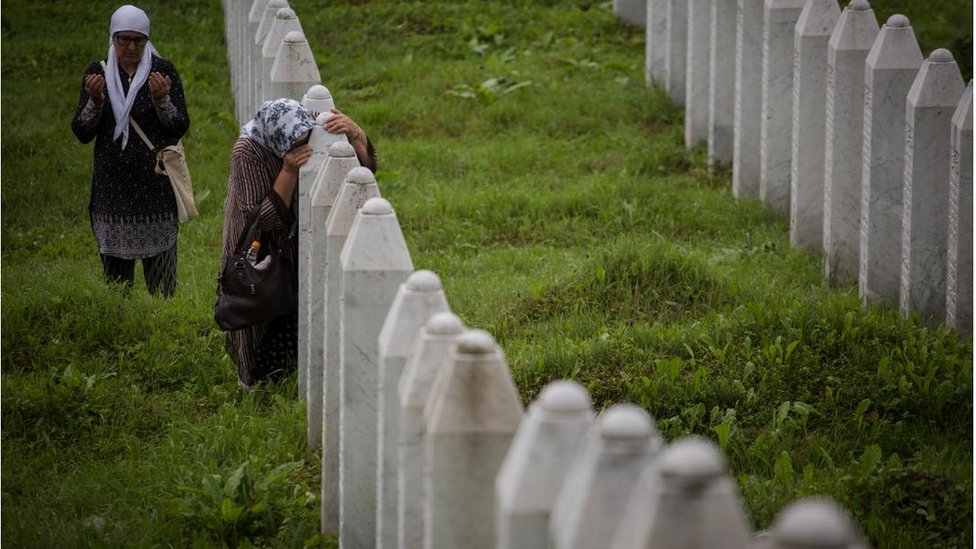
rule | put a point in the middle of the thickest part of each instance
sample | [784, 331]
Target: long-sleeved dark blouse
[132, 208]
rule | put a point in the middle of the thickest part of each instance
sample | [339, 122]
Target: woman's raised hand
[95, 87]
[339, 123]
[296, 158]
[159, 86]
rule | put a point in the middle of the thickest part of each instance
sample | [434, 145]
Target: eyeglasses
[125, 41]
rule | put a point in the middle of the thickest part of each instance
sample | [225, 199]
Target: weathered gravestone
[358, 187]
[417, 299]
[696, 71]
[677, 47]
[537, 462]
[775, 149]
[721, 80]
[891, 67]
[684, 500]
[813, 30]
[284, 21]
[249, 74]
[655, 43]
[472, 415]
[598, 486]
[847, 51]
[437, 340]
[329, 180]
[932, 100]
[959, 280]
[748, 99]
[258, 75]
[294, 68]
[375, 261]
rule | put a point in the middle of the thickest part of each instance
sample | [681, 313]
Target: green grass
[532, 170]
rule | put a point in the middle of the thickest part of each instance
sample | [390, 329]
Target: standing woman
[132, 208]
[264, 176]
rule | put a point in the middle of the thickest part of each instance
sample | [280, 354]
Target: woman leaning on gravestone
[132, 208]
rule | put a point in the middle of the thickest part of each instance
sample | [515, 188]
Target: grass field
[550, 190]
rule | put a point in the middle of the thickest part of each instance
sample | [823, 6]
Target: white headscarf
[126, 18]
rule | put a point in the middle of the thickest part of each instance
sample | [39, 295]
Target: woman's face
[129, 46]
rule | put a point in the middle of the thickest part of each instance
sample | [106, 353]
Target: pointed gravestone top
[286, 13]
[626, 422]
[318, 99]
[445, 323]
[295, 37]
[341, 149]
[564, 396]
[938, 84]
[360, 176]
[377, 206]
[856, 29]
[422, 280]
[859, 5]
[813, 522]
[476, 342]
[693, 462]
[818, 18]
[895, 47]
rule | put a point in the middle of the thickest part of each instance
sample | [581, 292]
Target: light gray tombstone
[891, 67]
[632, 12]
[325, 382]
[318, 99]
[813, 30]
[358, 187]
[474, 411]
[419, 298]
[375, 261]
[264, 26]
[847, 53]
[684, 500]
[655, 43]
[599, 484]
[677, 47]
[284, 21]
[932, 100]
[537, 462]
[428, 356]
[814, 523]
[959, 282]
[776, 125]
[697, 62]
[294, 68]
[312, 255]
[748, 99]
[721, 76]
[255, 14]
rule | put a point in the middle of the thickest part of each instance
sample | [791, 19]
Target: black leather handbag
[247, 295]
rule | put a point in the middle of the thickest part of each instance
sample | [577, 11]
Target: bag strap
[135, 126]
[286, 215]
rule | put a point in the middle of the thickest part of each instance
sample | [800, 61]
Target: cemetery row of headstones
[837, 123]
[423, 436]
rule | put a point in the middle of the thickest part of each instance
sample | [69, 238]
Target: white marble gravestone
[375, 261]
[294, 68]
[721, 82]
[428, 356]
[748, 99]
[655, 43]
[537, 462]
[813, 30]
[697, 62]
[959, 280]
[318, 99]
[358, 187]
[814, 523]
[932, 100]
[589, 507]
[677, 44]
[684, 500]
[419, 298]
[258, 75]
[472, 415]
[284, 21]
[632, 12]
[847, 52]
[775, 128]
[255, 14]
[891, 67]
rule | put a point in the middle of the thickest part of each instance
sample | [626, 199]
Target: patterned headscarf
[126, 18]
[279, 124]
